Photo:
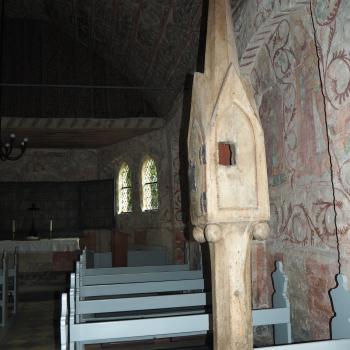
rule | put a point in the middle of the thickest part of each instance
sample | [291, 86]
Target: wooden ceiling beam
[82, 123]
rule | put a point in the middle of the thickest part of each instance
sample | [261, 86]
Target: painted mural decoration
[332, 26]
[302, 90]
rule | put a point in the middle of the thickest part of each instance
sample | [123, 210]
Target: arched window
[124, 189]
[149, 175]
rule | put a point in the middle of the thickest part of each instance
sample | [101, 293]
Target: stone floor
[36, 327]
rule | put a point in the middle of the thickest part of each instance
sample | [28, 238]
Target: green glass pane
[150, 197]
[125, 202]
[124, 177]
[150, 171]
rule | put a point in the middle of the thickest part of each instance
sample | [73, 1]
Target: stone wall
[148, 227]
[51, 165]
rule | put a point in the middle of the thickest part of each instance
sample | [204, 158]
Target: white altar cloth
[41, 245]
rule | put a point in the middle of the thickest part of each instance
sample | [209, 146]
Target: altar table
[41, 245]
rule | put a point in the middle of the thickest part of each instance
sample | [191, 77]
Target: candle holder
[50, 229]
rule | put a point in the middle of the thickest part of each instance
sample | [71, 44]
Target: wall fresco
[285, 80]
[331, 20]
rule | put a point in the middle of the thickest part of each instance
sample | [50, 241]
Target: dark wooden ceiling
[152, 43]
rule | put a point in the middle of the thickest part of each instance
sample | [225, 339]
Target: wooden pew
[64, 322]
[12, 284]
[13, 277]
[92, 280]
[135, 269]
[340, 323]
[136, 301]
[4, 289]
[129, 269]
[138, 288]
[143, 327]
[146, 329]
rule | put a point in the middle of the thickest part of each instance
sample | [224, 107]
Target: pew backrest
[156, 327]
[64, 322]
[280, 301]
[4, 289]
[140, 277]
[130, 304]
[141, 288]
[135, 269]
[127, 269]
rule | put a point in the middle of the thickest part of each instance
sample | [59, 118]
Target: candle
[51, 225]
[13, 228]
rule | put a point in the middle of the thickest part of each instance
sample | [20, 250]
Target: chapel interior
[102, 91]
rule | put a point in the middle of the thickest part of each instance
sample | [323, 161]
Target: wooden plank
[142, 303]
[4, 289]
[141, 277]
[271, 316]
[135, 269]
[141, 315]
[64, 322]
[155, 327]
[139, 288]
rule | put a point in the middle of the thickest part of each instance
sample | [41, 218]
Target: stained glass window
[150, 200]
[124, 189]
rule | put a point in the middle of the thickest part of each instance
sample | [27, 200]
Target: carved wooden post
[228, 179]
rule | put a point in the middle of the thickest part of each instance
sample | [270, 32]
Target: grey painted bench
[8, 285]
[4, 289]
[160, 327]
[126, 284]
[12, 281]
[136, 283]
[136, 277]
[340, 324]
[136, 300]
[128, 269]
[146, 287]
